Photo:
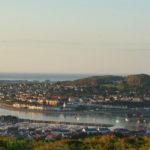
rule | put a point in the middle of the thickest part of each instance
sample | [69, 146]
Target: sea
[42, 77]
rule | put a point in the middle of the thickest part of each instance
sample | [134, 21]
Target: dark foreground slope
[105, 142]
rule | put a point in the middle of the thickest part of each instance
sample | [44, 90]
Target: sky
[75, 36]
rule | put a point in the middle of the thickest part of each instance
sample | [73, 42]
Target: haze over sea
[41, 77]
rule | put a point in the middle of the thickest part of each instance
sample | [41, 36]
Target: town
[59, 96]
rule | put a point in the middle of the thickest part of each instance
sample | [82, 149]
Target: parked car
[104, 130]
[122, 131]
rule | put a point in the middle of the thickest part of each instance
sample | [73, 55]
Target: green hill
[139, 80]
[96, 80]
[135, 81]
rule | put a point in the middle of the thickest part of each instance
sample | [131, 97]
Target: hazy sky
[75, 36]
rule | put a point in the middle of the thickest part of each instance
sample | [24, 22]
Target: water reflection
[126, 120]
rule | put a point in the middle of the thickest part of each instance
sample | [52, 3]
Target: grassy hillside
[137, 80]
[96, 80]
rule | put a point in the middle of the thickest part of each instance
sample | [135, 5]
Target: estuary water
[119, 120]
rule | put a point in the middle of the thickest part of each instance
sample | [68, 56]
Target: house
[40, 101]
[125, 99]
[52, 102]
[136, 99]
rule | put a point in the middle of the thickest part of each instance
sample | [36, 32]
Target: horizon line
[68, 73]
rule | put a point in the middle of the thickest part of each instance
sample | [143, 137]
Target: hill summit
[138, 80]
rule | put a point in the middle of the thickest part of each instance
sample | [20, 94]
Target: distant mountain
[96, 80]
[138, 80]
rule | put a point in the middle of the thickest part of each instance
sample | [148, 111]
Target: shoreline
[8, 107]
[106, 111]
